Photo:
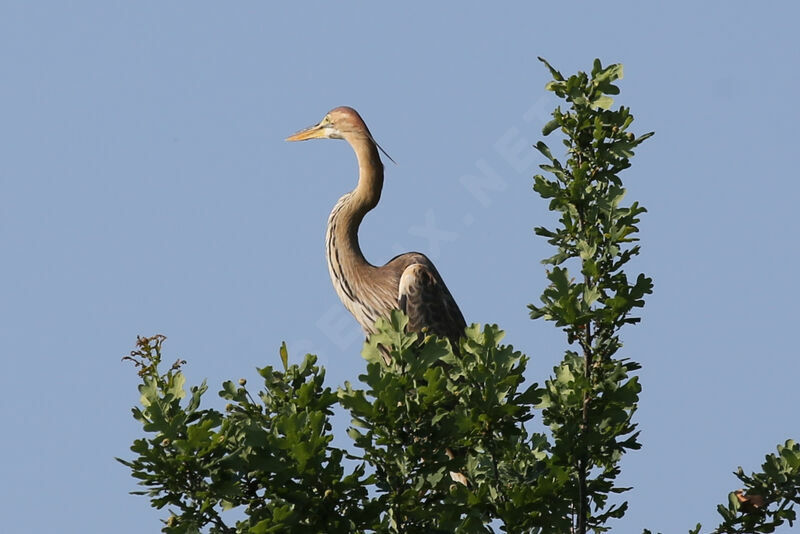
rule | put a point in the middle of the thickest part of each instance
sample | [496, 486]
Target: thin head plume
[381, 149]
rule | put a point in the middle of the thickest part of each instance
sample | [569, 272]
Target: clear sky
[145, 187]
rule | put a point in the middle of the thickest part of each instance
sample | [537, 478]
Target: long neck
[347, 214]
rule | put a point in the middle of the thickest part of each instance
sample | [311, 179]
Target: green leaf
[553, 72]
[602, 102]
[544, 149]
[175, 387]
[148, 392]
[733, 502]
[564, 375]
[590, 295]
[284, 356]
[548, 128]
[609, 74]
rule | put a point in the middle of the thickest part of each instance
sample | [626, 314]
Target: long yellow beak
[313, 132]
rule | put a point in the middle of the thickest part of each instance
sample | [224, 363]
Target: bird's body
[408, 282]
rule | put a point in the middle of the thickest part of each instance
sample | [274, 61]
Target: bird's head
[339, 123]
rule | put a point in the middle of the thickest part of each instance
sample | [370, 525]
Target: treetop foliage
[448, 440]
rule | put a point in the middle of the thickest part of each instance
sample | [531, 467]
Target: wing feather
[423, 296]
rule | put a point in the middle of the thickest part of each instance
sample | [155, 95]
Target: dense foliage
[590, 401]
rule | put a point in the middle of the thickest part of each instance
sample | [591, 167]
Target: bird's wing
[423, 296]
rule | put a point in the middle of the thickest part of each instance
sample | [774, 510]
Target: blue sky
[146, 188]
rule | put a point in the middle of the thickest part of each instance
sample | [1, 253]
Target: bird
[408, 282]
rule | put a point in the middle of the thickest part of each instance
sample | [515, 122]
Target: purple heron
[408, 282]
